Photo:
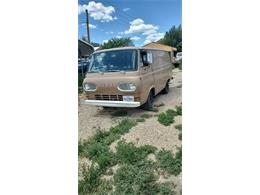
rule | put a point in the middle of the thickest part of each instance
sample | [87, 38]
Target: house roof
[84, 48]
[160, 46]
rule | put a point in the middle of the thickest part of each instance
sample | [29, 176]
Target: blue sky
[142, 20]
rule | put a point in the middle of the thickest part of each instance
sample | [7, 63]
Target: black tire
[166, 89]
[149, 103]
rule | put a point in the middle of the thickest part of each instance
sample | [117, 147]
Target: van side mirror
[146, 58]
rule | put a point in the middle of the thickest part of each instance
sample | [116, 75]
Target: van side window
[147, 56]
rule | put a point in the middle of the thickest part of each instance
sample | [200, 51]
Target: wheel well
[153, 91]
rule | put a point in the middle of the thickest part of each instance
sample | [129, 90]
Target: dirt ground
[149, 132]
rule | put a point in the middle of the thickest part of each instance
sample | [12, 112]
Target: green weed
[166, 118]
[168, 162]
[179, 127]
[90, 180]
[140, 120]
[178, 110]
[129, 153]
[136, 179]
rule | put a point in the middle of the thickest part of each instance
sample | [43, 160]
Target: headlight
[89, 87]
[127, 87]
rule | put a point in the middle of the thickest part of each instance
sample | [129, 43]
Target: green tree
[117, 42]
[95, 44]
[173, 38]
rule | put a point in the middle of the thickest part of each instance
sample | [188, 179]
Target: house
[85, 49]
[170, 49]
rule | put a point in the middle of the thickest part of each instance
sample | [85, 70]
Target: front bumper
[112, 103]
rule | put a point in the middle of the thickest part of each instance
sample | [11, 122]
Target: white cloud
[109, 32]
[126, 9]
[118, 36]
[153, 37]
[149, 30]
[91, 26]
[138, 26]
[135, 38]
[98, 11]
[104, 41]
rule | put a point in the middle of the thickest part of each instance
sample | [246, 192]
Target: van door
[147, 75]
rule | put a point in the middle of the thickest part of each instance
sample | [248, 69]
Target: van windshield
[113, 61]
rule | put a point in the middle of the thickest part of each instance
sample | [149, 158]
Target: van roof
[126, 48]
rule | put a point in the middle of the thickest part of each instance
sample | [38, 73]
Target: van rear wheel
[149, 103]
[166, 89]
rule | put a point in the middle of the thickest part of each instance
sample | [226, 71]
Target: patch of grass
[180, 136]
[130, 154]
[168, 162]
[123, 127]
[166, 118]
[135, 179]
[146, 116]
[97, 148]
[140, 120]
[179, 127]
[81, 147]
[139, 179]
[119, 113]
[90, 180]
[166, 189]
[178, 110]
[136, 174]
[171, 112]
[99, 152]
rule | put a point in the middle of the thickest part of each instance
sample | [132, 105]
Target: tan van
[127, 77]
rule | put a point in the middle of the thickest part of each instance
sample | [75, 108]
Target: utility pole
[87, 25]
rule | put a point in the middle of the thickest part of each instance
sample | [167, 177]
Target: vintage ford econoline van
[127, 77]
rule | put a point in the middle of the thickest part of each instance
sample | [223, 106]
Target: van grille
[109, 97]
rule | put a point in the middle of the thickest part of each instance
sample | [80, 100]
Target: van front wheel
[149, 103]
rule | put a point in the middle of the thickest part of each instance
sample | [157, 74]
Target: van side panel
[162, 69]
